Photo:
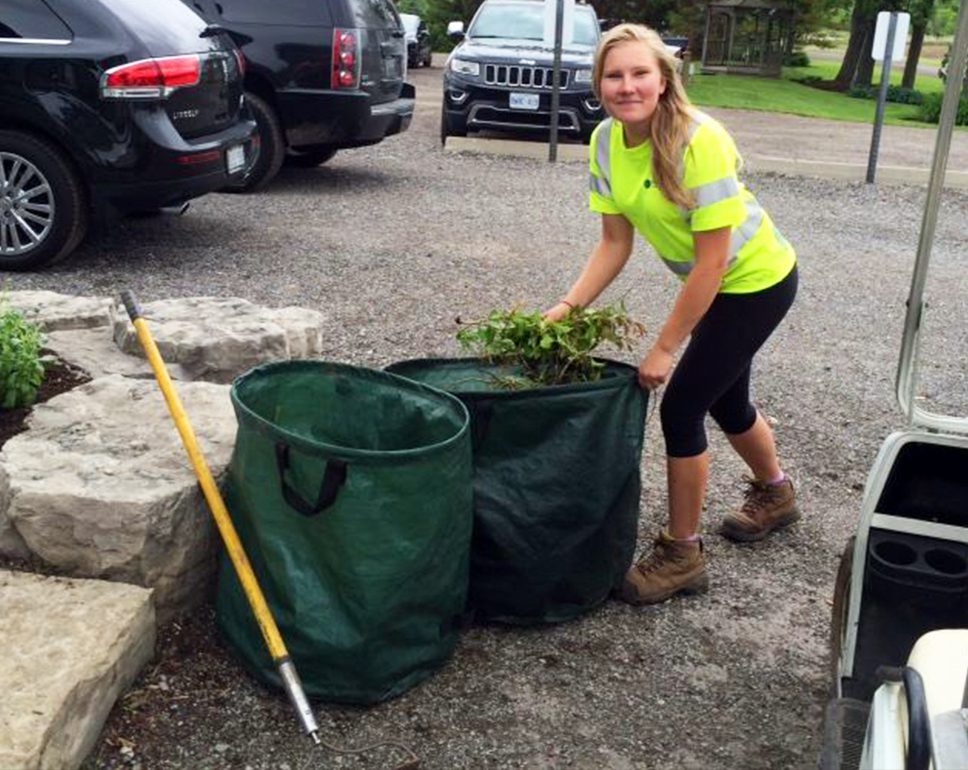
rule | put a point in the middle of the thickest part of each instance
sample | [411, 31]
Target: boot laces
[656, 558]
[758, 496]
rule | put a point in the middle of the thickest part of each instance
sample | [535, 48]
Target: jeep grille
[522, 77]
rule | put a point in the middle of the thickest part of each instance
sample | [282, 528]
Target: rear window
[410, 23]
[374, 14]
[277, 13]
[164, 28]
[525, 21]
[30, 20]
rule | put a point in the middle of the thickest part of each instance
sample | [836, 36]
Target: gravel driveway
[392, 243]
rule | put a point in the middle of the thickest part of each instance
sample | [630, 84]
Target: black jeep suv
[500, 76]
[109, 103]
[321, 75]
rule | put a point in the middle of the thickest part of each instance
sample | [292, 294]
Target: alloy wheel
[26, 205]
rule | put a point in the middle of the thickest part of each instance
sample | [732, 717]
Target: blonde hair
[669, 128]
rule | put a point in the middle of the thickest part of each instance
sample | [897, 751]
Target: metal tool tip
[315, 736]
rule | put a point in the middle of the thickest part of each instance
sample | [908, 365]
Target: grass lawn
[786, 95]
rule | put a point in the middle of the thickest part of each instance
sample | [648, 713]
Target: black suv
[321, 75]
[500, 76]
[110, 103]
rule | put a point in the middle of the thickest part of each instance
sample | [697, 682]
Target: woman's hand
[655, 368]
[557, 312]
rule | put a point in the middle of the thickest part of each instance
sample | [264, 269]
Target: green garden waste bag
[351, 491]
[556, 487]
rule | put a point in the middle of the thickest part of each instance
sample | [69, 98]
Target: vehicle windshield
[410, 23]
[525, 21]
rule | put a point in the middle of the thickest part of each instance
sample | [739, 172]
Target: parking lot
[395, 241]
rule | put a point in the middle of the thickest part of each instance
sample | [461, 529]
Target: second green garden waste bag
[556, 486]
[351, 492]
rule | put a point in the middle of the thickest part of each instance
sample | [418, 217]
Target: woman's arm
[697, 294]
[606, 261]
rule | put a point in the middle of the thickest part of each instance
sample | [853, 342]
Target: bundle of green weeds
[548, 352]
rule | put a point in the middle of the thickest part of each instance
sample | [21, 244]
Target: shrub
[895, 94]
[796, 59]
[550, 352]
[21, 368]
[930, 111]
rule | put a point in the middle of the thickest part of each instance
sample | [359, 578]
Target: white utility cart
[900, 619]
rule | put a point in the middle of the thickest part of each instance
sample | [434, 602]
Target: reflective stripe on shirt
[603, 153]
[737, 239]
[714, 192]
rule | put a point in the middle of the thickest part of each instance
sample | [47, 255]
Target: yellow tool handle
[263, 616]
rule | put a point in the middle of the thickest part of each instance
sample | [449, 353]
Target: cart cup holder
[918, 569]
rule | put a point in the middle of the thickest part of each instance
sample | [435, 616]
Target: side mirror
[455, 29]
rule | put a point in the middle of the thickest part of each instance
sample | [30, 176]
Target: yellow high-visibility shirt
[622, 182]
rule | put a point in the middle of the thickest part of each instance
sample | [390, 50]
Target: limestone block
[217, 339]
[11, 543]
[70, 647]
[52, 311]
[94, 351]
[100, 485]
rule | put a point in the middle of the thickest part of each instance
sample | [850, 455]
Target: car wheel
[43, 211]
[310, 157]
[450, 127]
[430, 59]
[272, 148]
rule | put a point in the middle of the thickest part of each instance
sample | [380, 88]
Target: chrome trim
[519, 76]
[573, 124]
[35, 41]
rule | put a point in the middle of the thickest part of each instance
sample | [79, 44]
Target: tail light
[346, 59]
[151, 78]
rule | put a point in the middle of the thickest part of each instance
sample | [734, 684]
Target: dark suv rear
[501, 77]
[322, 75]
[109, 103]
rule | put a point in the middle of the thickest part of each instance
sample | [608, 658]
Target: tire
[838, 615]
[38, 226]
[272, 148]
[429, 60]
[449, 127]
[310, 157]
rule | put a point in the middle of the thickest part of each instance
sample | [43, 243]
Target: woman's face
[631, 83]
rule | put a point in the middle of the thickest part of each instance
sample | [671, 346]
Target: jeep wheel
[310, 157]
[272, 148]
[43, 212]
[449, 127]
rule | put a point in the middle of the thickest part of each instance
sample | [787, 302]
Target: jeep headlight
[465, 67]
[583, 76]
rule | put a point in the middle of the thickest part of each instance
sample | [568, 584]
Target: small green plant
[21, 367]
[550, 352]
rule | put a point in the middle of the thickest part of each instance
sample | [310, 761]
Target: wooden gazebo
[747, 36]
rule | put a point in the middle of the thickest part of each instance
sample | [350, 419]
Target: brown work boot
[767, 507]
[672, 567]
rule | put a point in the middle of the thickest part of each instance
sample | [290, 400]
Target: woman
[667, 170]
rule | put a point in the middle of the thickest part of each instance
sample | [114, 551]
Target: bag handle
[333, 479]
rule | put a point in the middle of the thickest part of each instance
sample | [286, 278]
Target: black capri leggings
[713, 375]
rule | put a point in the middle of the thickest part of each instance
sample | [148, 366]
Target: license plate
[523, 101]
[235, 158]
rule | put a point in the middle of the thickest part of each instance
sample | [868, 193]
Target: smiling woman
[663, 168]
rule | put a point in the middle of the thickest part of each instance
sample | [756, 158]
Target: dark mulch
[60, 377]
